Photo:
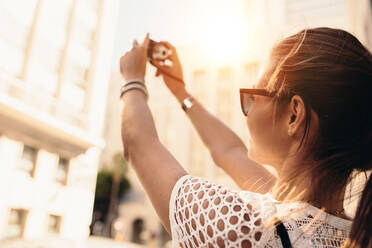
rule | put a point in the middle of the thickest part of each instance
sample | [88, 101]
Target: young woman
[309, 116]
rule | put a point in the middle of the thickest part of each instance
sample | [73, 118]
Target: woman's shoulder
[202, 212]
[189, 186]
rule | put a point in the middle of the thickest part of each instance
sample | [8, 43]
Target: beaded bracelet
[134, 85]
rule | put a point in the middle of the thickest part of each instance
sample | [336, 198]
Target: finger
[154, 62]
[169, 45]
[158, 73]
[173, 49]
[146, 41]
[135, 43]
[160, 65]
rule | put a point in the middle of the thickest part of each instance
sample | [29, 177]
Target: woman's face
[268, 136]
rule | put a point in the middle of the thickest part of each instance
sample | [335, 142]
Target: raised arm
[226, 148]
[156, 168]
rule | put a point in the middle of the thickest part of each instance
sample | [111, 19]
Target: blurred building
[217, 87]
[54, 69]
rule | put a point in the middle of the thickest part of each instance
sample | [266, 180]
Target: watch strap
[187, 103]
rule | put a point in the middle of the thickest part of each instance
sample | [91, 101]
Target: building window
[197, 156]
[14, 32]
[138, 228]
[62, 171]
[252, 68]
[199, 73]
[79, 54]
[198, 81]
[45, 64]
[16, 223]
[225, 73]
[54, 224]
[251, 72]
[317, 12]
[28, 160]
[76, 74]
[224, 105]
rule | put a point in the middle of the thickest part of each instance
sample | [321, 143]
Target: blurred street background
[63, 179]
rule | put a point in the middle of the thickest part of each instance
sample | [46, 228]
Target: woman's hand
[173, 84]
[133, 62]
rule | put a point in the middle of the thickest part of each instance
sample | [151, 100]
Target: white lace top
[203, 214]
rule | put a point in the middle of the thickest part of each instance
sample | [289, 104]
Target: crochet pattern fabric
[204, 214]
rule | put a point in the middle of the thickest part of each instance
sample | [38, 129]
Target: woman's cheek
[252, 130]
[254, 123]
[260, 136]
[249, 126]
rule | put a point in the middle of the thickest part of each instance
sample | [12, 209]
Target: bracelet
[135, 81]
[131, 82]
[134, 86]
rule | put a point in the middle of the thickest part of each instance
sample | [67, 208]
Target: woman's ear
[297, 115]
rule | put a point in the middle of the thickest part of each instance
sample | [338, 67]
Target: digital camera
[158, 51]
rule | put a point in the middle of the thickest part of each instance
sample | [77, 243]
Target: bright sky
[184, 22]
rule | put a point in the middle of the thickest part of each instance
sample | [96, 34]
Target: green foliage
[120, 164]
[104, 183]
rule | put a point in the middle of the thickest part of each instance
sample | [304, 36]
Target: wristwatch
[187, 103]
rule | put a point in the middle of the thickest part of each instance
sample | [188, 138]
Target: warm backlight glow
[224, 37]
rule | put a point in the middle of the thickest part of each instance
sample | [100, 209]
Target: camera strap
[283, 234]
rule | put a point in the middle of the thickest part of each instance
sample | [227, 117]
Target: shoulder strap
[283, 234]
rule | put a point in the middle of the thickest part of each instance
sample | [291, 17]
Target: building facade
[54, 72]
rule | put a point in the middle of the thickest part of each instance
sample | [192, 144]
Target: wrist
[134, 85]
[181, 94]
[187, 103]
[134, 81]
[131, 78]
[133, 96]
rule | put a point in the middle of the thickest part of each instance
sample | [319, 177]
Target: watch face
[188, 103]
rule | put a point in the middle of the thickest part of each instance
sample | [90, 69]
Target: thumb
[158, 73]
[146, 41]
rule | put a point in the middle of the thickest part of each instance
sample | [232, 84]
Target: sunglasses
[247, 99]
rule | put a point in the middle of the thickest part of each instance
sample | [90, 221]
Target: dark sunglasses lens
[246, 102]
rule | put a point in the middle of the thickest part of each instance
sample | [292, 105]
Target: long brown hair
[332, 72]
